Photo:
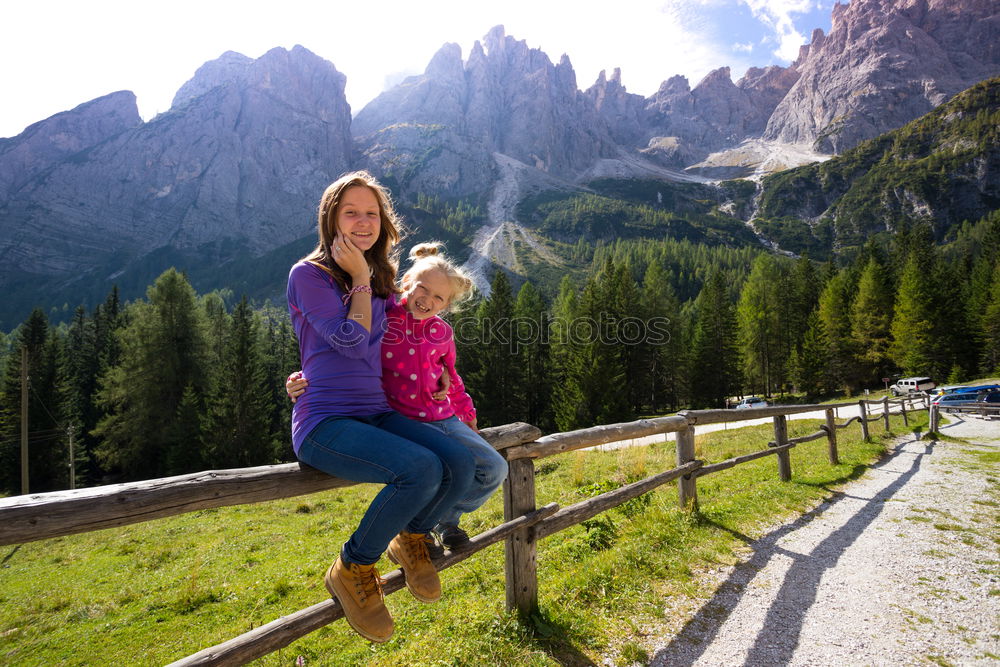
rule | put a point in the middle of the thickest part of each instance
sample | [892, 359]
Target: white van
[911, 386]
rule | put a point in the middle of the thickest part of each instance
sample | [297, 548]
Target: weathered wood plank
[281, 632]
[44, 515]
[687, 485]
[855, 418]
[699, 417]
[808, 438]
[520, 552]
[780, 440]
[736, 460]
[596, 435]
[831, 438]
[574, 514]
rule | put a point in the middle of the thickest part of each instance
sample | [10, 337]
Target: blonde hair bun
[426, 250]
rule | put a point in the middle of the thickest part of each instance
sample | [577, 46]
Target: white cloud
[777, 16]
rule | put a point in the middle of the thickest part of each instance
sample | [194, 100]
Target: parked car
[979, 389]
[751, 402]
[989, 398]
[911, 386]
[953, 400]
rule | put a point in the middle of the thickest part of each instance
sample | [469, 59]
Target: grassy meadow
[152, 593]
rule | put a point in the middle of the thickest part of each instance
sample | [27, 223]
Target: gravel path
[901, 567]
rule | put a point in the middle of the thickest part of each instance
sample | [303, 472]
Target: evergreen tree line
[624, 344]
[180, 382]
[171, 384]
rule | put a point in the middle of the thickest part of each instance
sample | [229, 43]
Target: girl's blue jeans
[424, 473]
[491, 469]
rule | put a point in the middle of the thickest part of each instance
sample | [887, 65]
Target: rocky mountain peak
[446, 63]
[236, 165]
[554, 129]
[224, 69]
[884, 63]
[49, 141]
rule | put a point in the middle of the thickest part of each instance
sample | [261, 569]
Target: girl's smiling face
[358, 217]
[427, 293]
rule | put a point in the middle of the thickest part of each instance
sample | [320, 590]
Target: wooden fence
[40, 516]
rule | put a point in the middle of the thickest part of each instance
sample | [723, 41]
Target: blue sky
[57, 54]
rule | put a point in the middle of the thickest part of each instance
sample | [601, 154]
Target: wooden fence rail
[40, 516]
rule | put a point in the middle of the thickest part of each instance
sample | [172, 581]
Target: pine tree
[757, 316]
[281, 357]
[990, 360]
[809, 360]
[663, 349]
[164, 364]
[567, 361]
[47, 452]
[239, 434]
[715, 372]
[498, 377]
[871, 316]
[531, 331]
[911, 322]
[834, 317]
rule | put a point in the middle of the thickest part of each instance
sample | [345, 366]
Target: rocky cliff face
[884, 63]
[678, 126]
[236, 166]
[47, 142]
[506, 99]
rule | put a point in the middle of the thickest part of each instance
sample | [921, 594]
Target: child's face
[427, 294]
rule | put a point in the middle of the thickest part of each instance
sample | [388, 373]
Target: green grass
[156, 592]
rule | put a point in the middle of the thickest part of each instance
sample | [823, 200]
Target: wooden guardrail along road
[39, 516]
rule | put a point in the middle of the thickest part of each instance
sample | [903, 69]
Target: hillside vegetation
[941, 169]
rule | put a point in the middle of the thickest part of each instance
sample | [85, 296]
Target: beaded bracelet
[354, 290]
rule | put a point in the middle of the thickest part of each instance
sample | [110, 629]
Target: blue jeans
[424, 473]
[491, 469]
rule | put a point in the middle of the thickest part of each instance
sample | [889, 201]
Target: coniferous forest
[179, 382]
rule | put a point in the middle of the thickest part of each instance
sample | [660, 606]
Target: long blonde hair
[382, 256]
[428, 256]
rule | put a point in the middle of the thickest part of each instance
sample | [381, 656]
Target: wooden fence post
[885, 412]
[687, 487]
[520, 568]
[906, 422]
[933, 418]
[781, 438]
[831, 437]
[864, 419]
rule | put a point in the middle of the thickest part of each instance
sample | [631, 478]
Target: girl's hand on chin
[351, 259]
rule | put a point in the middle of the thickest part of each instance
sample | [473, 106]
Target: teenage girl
[418, 352]
[338, 297]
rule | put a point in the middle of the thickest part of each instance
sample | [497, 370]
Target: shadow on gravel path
[776, 642]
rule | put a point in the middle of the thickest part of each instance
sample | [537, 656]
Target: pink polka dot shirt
[415, 353]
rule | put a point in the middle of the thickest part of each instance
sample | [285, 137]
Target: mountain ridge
[234, 168]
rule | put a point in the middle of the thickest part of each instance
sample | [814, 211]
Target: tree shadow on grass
[776, 642]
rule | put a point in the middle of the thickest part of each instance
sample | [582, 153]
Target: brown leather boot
[409, 551]
[359, 591]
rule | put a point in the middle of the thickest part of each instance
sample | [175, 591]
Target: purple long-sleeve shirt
[340, 358]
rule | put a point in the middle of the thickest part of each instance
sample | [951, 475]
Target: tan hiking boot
[409, 551]
[359, 591]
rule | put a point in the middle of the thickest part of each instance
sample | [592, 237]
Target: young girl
[338, 296]
[418, 352]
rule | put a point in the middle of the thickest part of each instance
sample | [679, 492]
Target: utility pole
[72, 460]
[24, 419]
